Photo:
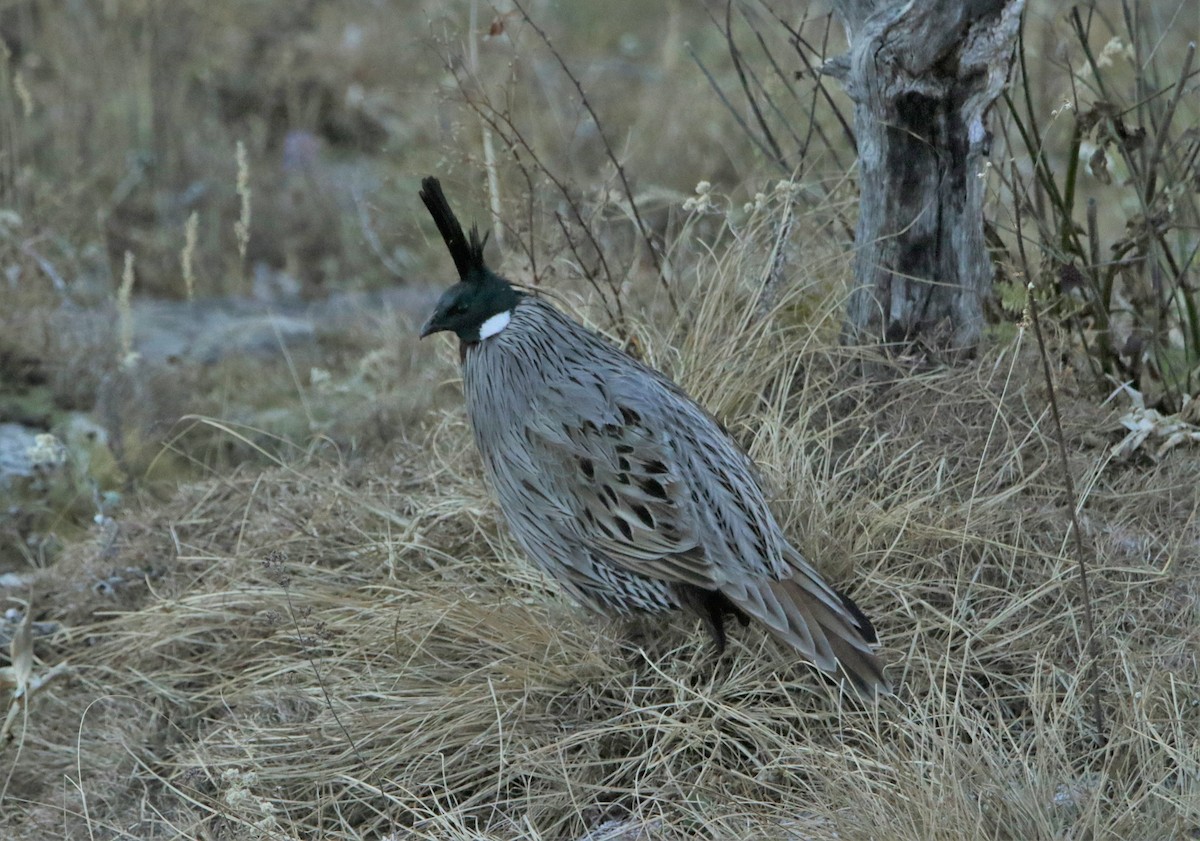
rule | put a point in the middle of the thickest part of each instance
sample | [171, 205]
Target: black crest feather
[467, 253]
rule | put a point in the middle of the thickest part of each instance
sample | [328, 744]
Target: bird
[621, 487]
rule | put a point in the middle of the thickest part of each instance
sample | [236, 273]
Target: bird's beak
[427, 328]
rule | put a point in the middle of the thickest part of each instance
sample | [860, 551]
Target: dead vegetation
[348, 649]
[324, 632]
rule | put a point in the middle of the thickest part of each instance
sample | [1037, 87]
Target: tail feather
[822, 624]
[807, 619]
[860, 618]
[760, 603]
[861, 668]
[467, 253]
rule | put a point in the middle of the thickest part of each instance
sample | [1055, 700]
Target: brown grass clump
[354, 649]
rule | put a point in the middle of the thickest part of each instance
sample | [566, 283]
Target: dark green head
[473, 309]
[478, 306]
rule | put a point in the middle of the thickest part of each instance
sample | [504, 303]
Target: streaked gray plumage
[619, 485]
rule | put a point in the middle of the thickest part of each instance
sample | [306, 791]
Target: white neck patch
[494, 324]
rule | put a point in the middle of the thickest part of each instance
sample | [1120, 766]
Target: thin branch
[814, 125]
[503, 125]
[619, 320]
[1092, 643]
[1160, 145]
[774, 278]
[735, 55]
[800, 44]
[608, 150]
[733, 112]
[368, 229]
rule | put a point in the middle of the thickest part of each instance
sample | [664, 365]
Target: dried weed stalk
[1132, 150]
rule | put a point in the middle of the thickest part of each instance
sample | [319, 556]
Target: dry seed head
[1061, 109]
[702, 201]
[760, 201]
[187, 257]
[786, 187]
[125, 314]
[1115, 47]
[242, 227]
[46, 453]
[23, 94]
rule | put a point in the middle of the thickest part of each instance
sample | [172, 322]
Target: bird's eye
[456, 309]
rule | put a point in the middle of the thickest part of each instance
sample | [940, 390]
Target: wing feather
[619, 490]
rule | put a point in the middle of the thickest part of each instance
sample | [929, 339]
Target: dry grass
[329, 635]
[130, 145]
[332, 649]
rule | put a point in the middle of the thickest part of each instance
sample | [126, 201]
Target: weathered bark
[923, 76]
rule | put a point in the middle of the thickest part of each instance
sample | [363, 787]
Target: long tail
[822, 624]
[467, 253]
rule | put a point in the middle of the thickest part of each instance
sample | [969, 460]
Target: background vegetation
[256, 589]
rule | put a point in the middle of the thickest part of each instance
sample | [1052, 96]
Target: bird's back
[624, 489]
[556, 406]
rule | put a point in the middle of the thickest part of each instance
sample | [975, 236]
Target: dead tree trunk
[923, 76]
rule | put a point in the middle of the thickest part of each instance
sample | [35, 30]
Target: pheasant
[620, 486]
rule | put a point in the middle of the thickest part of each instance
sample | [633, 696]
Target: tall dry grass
[334, 637]
[349, 650]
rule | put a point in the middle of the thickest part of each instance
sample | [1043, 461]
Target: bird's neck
[494, 324]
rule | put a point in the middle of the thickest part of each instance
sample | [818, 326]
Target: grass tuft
[343, 649]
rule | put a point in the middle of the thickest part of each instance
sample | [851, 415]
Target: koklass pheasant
[618, 484]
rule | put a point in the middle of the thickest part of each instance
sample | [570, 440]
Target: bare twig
[1092, 642]
[489, 148]
[274, 564]
[619, 319]
[608, 151]
[802, 144]
[801, 44]
[503, 125]
[1168, 117]
[368, 229]
[735, 55]
[712, 83]
[774, 278]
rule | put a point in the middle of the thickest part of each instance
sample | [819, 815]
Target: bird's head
[474, 309]
[480, 304]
